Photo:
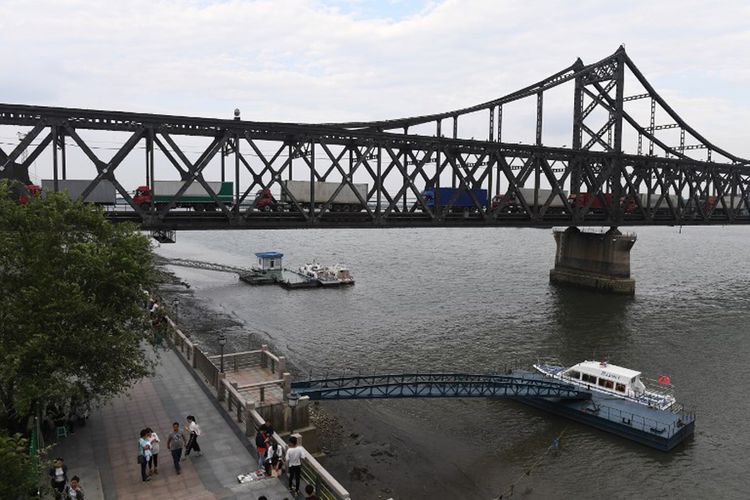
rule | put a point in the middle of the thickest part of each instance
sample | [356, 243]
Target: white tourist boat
[613, 380]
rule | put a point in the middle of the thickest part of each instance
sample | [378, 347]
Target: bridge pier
[594, 260]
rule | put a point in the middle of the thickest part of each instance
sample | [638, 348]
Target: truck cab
[265, 202]
[143, 196]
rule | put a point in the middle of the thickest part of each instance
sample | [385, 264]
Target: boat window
[573, 374]
[588, 378]
[606, 383]
[620, 387]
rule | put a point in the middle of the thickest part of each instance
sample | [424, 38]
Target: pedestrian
[175, 443]
[272, 459]
[194, 430]
[294, 456]
[261, 445]
[310, 493]
[153, 464]
[74, 491]
[143, 454]
[59, 476]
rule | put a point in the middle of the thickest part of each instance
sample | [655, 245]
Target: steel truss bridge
[437, 385]
[651, 181]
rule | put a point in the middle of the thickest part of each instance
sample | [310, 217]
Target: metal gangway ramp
[438, 385]
[199, 264]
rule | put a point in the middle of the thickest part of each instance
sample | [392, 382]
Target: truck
[650, 203]
[460, 198]
[103, 194]
[580, 200]
[509, 202]
[195, 197]
[345, 201]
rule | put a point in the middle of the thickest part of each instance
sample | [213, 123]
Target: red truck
[580, 200]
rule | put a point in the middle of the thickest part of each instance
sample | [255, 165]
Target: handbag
[141, 459]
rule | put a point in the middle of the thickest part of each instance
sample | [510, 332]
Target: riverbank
[377, 450]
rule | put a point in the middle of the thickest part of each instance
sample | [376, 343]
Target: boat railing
[650, 425]
[655, 387]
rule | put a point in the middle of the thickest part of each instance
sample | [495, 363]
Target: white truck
[345, 201]
[510, 203]
[103, 194]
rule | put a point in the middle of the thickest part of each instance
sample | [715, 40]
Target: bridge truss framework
[398, 166]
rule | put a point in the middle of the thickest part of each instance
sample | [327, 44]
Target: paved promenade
[103, 453]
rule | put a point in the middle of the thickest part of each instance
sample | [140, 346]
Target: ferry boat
[613, 380]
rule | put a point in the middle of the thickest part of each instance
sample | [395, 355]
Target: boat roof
[269, 255]
[603, 365]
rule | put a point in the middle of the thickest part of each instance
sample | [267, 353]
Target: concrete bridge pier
[594, 260]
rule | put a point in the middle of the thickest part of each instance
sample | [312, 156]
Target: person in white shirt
[294, 456]
[194, 431]
[154, 462]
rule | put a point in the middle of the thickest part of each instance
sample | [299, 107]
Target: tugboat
[612, 380]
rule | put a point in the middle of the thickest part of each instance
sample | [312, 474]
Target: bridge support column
[594, 260]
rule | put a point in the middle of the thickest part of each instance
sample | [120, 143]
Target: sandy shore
[377, 450]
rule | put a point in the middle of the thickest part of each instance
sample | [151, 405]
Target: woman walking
[194, 431]
[144, 452]
[153, 464]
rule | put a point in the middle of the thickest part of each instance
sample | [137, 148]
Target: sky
[333, 60]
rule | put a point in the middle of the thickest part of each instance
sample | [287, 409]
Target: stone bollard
[264, 356]
[287, 385]
[221, 389]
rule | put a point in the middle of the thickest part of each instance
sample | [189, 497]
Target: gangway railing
[209, 266]
[438, 385]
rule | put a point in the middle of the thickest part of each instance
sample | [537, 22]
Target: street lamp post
[222, 343]
[292, 401]
[176, 306]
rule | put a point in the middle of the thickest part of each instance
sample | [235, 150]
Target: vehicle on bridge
[613, 380]
[22, 193]
[459, 200]
[104, 193]
[345, 200]
[511, 204]
[195, 196]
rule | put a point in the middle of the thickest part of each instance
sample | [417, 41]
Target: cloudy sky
[335, 60]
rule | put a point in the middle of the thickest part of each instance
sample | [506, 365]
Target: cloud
[315, 61]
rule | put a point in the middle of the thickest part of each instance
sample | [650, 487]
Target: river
[474, 300]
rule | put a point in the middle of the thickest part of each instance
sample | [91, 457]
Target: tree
[72, 322]
[21, 471]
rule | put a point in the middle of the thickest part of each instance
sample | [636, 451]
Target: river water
[474, 300]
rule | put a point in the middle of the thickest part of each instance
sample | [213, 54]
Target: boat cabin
[269, 261]
[606, 377]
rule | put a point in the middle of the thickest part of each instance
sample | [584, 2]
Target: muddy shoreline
[376, 450]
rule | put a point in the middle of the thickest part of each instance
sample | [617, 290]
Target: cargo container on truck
[345, 201]
[103, 194]
[510, 202]
[459, 199]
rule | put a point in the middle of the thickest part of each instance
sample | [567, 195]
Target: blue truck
[463, 201]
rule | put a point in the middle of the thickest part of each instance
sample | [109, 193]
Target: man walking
[175, 443]
[294, 456]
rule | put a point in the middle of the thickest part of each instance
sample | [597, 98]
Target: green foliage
[71, 318]
[21, 471]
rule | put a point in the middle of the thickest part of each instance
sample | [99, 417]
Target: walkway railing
[243, 410]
